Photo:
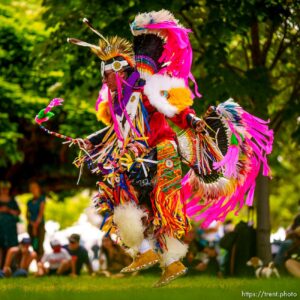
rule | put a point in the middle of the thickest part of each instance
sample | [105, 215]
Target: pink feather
[229, 162]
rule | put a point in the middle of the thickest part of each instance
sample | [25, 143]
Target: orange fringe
[169, 211]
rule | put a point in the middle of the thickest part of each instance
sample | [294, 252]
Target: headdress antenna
[82, 43]
[86, 21]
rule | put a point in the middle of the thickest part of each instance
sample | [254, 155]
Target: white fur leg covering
[128, 218]
[176, 250]
[144, 246]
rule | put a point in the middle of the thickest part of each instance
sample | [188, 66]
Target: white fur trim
[153, 87]
[155, 17]
[145, 246]
[176, 250]
[128, 218]
[131, 252]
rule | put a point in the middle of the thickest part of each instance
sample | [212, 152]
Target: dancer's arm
[188, 119]
[95, 138]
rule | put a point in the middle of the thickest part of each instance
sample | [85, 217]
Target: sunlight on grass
[140, 287]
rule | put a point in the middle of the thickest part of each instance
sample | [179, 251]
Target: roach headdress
[115, 52]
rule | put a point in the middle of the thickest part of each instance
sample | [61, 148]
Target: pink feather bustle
[241, 164]
[177, 54]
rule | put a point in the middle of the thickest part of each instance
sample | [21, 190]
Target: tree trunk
[263, 219]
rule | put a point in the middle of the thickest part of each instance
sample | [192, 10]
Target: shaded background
[248, 50]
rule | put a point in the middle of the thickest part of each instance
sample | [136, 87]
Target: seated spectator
[196, 244]
[112, 257]
[209, 264]
[79, 257]
[18, 260]
[293, 267]
[287, 244]
[240, 246]
[9, 212]
[292, 262]
[54, 263]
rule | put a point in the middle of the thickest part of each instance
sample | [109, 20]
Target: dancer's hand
[88, 145]
[200, 126]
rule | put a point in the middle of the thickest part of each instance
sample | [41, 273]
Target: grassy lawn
[189, 287]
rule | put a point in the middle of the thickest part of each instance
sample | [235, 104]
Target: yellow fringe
[103, 113]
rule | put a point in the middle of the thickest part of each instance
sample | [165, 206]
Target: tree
[24, 88]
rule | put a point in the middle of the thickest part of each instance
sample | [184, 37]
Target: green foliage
[140, 287]
[65, 211]
[26, 88]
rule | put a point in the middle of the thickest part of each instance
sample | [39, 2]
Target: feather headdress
[141, 22]
[177, 55]
[116, 47]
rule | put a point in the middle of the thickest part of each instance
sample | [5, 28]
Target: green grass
[131, 288]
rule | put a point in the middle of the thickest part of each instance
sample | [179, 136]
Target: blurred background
[248, 50]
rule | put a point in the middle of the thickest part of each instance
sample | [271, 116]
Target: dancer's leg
[170, 262]
[129, 220]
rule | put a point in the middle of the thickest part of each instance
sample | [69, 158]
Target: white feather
[128, 218]
[176, 250]
[152, 17]
[153, 88]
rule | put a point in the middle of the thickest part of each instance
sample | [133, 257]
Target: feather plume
[117, 47]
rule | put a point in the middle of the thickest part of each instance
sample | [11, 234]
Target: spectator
[9, 212]
[202, 254]
[226, 242]
[53, 263]
[293, 267]
[115, 257]
[287, 244]
[79, 257]
[196, 244]
[240, 246]
[292, 262]
[209, 264]
[18, 260]
[35, 218]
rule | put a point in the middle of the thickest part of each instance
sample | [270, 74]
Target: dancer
[150, 130]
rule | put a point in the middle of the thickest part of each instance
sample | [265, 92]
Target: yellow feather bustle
[117, 47]
[103, 113]
[180, 97]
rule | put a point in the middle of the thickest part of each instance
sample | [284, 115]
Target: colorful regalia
[150, 131]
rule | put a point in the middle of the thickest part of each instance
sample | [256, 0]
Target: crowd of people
[9, 217]
[221, 250]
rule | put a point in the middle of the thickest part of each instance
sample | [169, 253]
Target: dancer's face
[110, 79]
